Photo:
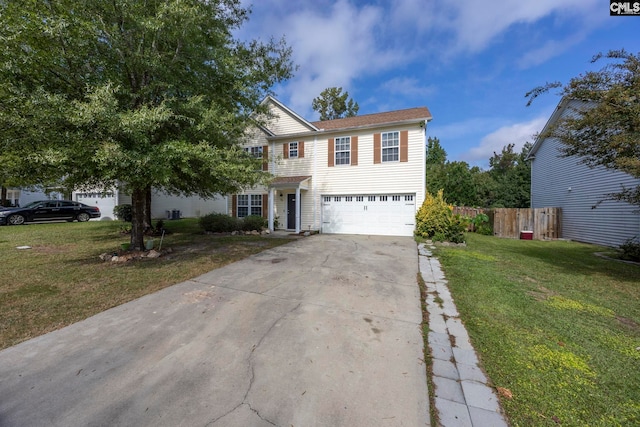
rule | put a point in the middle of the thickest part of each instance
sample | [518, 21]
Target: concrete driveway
[324, 331]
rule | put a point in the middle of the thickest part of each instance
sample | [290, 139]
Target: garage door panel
[106, 203]
[391, 214]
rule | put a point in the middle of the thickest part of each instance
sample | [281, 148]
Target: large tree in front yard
[605, 131]
[145, 93]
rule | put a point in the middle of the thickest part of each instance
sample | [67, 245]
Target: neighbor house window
[343, 150]
[293, 150]
[249, 205]
[390, 146]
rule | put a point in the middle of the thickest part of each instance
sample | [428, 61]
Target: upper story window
[293, 150]
[390, 146]
[254, 151]
[343, 150]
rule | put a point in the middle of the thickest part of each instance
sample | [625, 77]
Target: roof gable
[566, 106]
[285, 119]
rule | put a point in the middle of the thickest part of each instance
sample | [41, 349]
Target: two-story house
[357, 175]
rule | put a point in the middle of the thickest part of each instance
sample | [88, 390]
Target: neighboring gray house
[576, 188]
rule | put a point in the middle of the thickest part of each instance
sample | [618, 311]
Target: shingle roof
[375, 119]
[279, 180]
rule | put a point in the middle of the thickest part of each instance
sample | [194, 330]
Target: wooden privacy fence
[510, 222]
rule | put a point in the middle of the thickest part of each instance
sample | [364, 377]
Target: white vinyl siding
[367, 177]
[189, 207]
[284, 123]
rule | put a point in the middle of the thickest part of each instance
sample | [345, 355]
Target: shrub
[435, 220]
[481, 224]
[219, 223]
[123, 212]
[631, 249]
[253, 222]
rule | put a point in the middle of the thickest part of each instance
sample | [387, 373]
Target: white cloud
[517, 134]
[476, 23]
[332, 47]
[408, 86]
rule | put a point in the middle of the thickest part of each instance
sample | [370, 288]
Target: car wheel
[83, 217]
[15, 220]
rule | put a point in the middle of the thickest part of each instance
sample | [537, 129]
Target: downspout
[272, 198]
[316, 202]
[420, 199]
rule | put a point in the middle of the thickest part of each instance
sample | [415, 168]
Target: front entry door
[291, 211]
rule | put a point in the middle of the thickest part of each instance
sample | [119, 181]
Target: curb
[463, 396]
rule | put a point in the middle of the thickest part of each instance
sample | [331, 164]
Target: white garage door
[387, 214]
[105, 203]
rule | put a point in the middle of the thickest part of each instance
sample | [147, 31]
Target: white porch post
[271, 201]
[298, 219]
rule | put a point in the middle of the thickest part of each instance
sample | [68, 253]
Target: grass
[554, 324]
[61, 279]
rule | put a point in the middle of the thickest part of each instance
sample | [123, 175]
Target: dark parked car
[48, 210]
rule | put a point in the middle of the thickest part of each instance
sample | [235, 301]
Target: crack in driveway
[253, 375]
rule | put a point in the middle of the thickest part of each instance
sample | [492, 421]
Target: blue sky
[469, 61]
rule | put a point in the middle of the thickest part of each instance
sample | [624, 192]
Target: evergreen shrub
[435, 220]
[123, 212]
[631, 250]
[219, 223]
[254, 222]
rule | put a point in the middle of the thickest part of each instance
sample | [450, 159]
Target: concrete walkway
[323, 331]
[463, 397]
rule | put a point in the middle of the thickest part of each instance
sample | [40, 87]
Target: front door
[291, 211]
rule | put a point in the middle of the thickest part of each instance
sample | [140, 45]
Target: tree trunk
[147, 209]
[3, 196]
[138, 201]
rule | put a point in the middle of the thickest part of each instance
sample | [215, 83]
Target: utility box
[526, 235]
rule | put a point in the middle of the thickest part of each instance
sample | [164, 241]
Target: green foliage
[506, 184]
[148, 94]
[631, 250]
[223, 223]
[603, 128]
[435, 153]
[481, 224]
[435, 220]
[219, 223]
[123, 212]
[512, 176]
[332, 104]
[254, 222]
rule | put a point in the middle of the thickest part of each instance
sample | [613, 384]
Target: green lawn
[61, 279]
[556, 325]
